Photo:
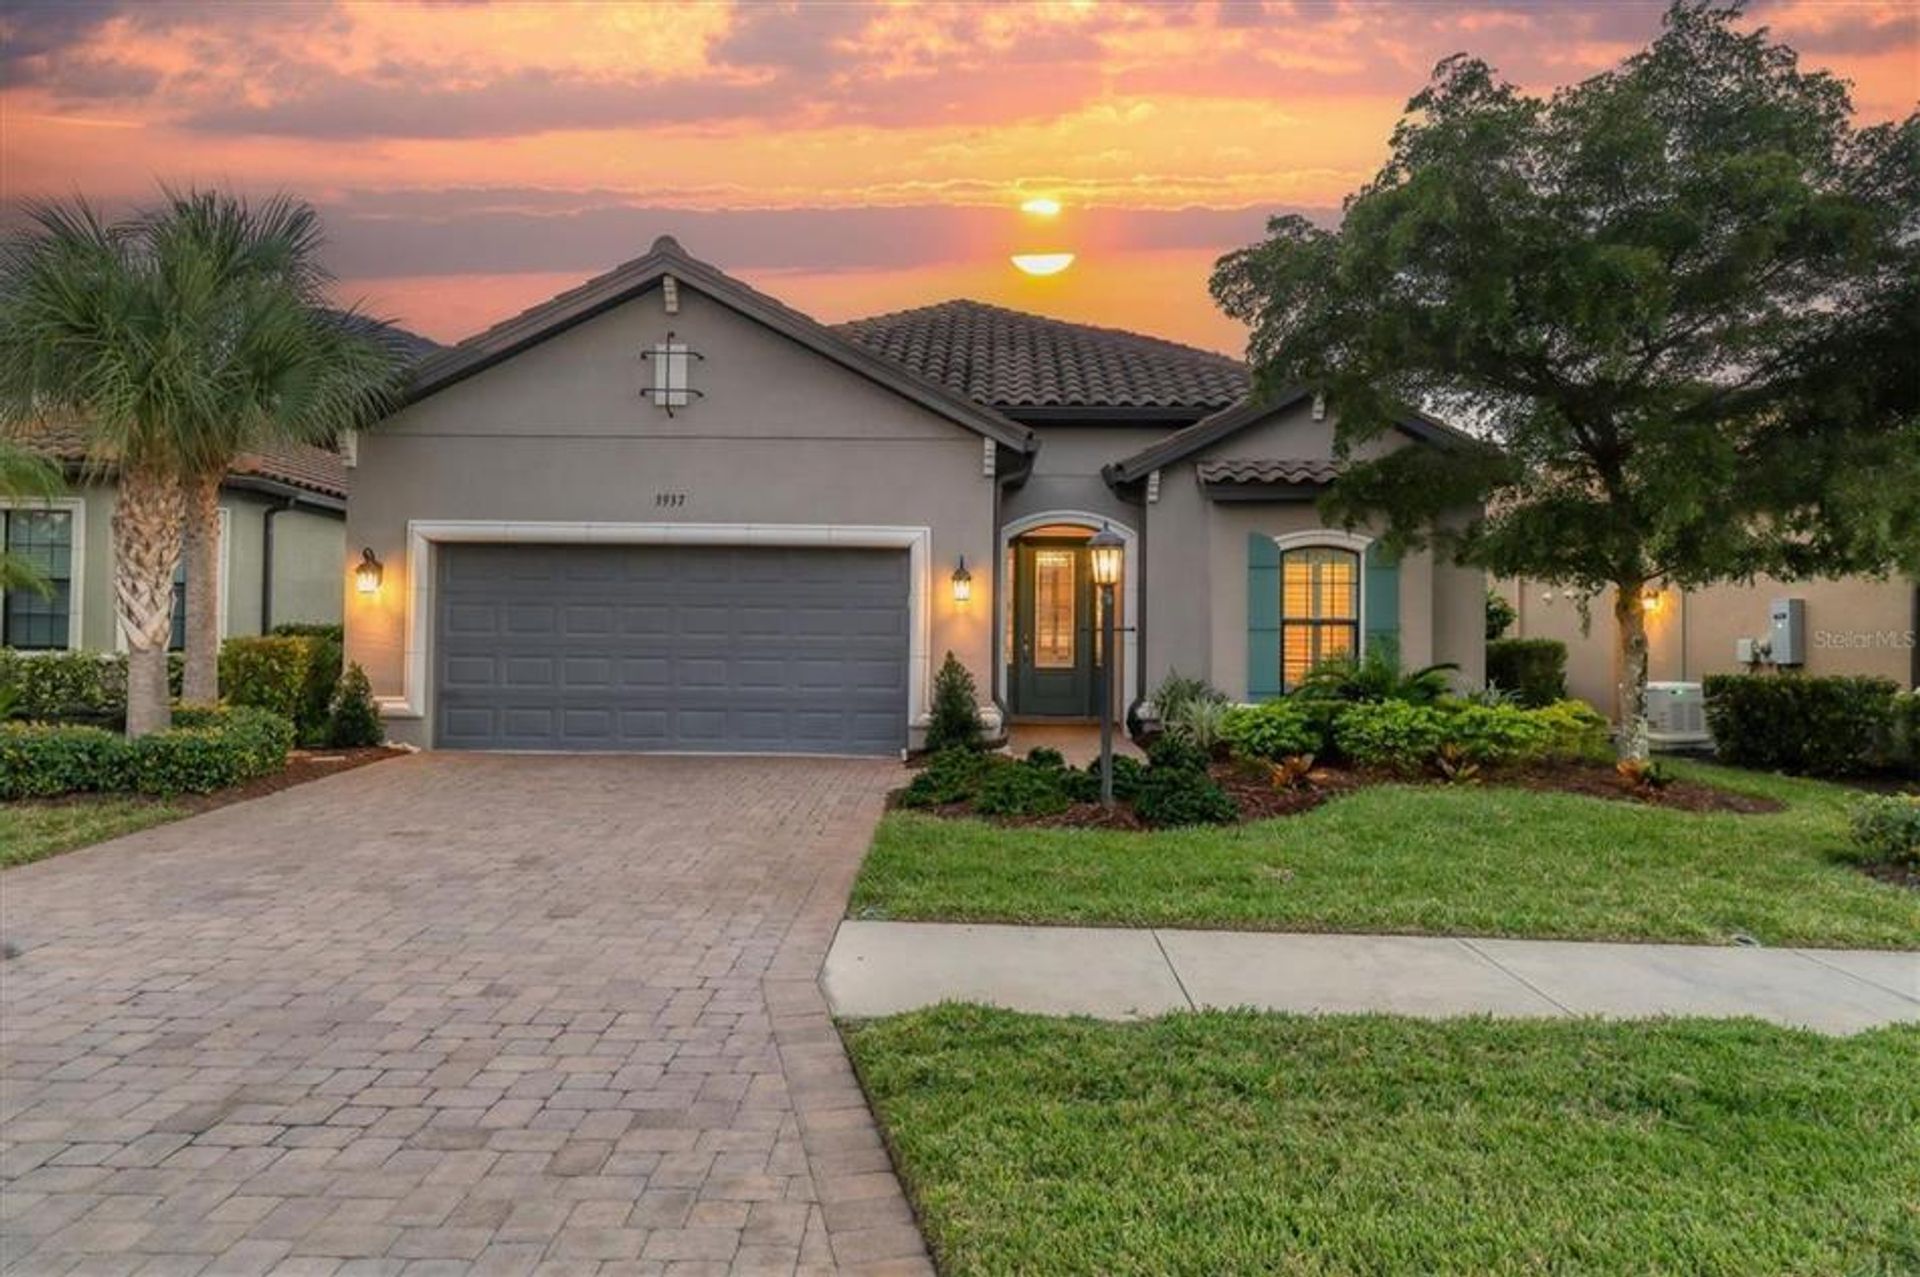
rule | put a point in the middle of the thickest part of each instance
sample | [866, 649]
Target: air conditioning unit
[1677, 716]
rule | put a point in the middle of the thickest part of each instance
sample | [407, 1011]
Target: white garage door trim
[424, 534]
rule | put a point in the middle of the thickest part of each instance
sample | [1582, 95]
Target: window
[43, 539]
[177, 635]
[1319, 609]
[1053, 609]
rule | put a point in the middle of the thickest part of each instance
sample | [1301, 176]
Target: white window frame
[76, 508]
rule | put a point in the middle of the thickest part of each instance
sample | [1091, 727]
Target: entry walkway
[879, 968]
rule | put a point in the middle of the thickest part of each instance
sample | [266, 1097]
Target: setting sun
[1041, 206]
[1043, 263]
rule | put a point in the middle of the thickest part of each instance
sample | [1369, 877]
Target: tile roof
[298, 465]
[1012, 360]
[1268, 470]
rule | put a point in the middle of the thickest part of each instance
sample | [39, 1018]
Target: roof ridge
[1077, 325]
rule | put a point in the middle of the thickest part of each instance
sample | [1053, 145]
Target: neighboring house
[665, 511]
[282, 538]
[1850, 625]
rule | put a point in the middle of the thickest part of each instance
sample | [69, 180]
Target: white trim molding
[1329, 539]
[76, 510]
[1129, 593]
[424, 534]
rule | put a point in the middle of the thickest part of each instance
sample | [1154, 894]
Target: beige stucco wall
[561, 432]
[1197, 548]
[308, 560]
[1855, 625]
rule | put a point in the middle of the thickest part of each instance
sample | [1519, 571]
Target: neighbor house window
[177, 635]
[43, 540]
[1319, 609]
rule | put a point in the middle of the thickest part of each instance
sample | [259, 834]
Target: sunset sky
[474, 158]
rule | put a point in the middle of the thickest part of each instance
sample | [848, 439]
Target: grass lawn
[1470, 860]
[33, 831]
[1232, 1142]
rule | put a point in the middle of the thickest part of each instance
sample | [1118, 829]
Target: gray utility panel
[696, 648]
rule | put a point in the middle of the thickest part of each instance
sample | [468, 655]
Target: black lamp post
[1108, 552]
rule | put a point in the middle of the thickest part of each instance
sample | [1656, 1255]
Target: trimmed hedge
[1830, 726]
[267, 672]
[1534, 670]
[84, 686]
[1408, 738]
[1273, 730]
[208, 748]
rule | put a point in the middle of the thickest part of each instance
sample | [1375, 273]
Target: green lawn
[1231, 1142]
[1478, 860]
[33, 831]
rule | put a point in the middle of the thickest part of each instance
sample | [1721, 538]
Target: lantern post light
[962, 582]
[1107, 551]
[367, 573]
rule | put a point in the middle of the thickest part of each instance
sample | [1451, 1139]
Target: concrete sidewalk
[879, 968]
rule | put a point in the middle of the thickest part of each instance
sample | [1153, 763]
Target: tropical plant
[1202, 724]
[1376, 676]
[1177, 691]
[24, 475]
[1681, 298]
[178, 338]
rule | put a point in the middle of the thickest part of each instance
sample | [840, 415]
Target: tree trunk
[146, 545]
[200, 680]
[1630, 628]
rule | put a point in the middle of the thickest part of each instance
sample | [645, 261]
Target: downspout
[266, 561]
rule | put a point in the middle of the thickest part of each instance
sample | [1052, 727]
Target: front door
[1053, 656]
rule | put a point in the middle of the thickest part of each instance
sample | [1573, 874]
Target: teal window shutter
[1263, 618]
[1382, 597]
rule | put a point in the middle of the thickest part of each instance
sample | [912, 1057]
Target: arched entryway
[1050, 621]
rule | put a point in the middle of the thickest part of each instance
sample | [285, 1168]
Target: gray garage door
[709, 648]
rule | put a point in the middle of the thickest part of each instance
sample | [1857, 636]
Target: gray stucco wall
[1197, 548]
[561, 432]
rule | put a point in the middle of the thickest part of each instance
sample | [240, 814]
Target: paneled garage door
[699, 648]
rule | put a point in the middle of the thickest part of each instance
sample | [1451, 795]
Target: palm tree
[22, 474]
[178, 341]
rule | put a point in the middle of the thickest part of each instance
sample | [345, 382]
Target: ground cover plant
[1234, 1142]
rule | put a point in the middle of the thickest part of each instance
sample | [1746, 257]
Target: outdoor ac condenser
[1677, 716]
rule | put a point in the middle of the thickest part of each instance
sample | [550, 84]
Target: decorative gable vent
[672, 362]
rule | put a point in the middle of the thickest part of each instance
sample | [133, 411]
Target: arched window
[1319, 609]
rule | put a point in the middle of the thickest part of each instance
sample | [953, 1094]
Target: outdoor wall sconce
[1649, 600]
[367, 573]
[962, 582]
[672, 362]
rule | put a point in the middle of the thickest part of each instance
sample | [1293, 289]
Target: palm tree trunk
[200, 680]
[1630, 630]
[146, 545]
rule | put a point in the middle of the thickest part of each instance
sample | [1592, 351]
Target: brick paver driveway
[450, 1014]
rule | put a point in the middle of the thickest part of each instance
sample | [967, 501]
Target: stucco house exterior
[665, 511]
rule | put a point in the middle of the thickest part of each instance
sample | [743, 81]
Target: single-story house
[1845, 625]
[665, 511]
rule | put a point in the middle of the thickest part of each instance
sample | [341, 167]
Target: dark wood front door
[1053, 639]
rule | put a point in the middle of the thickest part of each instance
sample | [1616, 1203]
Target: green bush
[1886, 829]
[1813, 726]
[1021, 789]
[1171, 752]
[950, 776]
[1177, 691]
[266, 672]
[353, 720]
[1576, 732]
[955, 721]
[1376, 676]
[56, 686]
[1396, 735]
[1500, 615]
[1046, 756]
[1084, 786]
[1272, 730]
[209, 748]
[1406, 738]
[1903, 735]
[311, 629]
[46, 760]
[1534, 670]
[325, 665]
[1172, 796]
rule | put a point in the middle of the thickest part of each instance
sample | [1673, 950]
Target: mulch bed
[1254, 793]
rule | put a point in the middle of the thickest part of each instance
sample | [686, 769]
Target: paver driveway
[445, 1014]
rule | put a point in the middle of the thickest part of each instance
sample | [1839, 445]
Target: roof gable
[666, 257]
[1022, 363]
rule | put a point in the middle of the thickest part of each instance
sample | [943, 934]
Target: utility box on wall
[1787, 639]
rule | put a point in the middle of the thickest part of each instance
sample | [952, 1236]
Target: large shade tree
[180, 337]
[1680, 301]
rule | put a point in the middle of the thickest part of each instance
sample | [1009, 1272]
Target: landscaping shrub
[1084, 786]
[1903, 734]
[1377, 676]
[1886, 829]
[209, 748]
[1273, 730]
[325, 660]
[950, 776]
[1814, 726]
[1534, 670]
[1046, 756]
[46, 760]
[311, 629]
[266, 672]
[1500, 615]
[1404, 737]
[955, 721]
[1396, 735]
[1200, 723]
[1576, 732]
[1171, 796]
[1177, 691]
[352, 719]
[1174, 753]
[1021, 789]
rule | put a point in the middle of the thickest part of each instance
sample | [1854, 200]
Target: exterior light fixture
[367, 573]
[672, 362]
[1649, 600]
[962, 582]
[1107, 550]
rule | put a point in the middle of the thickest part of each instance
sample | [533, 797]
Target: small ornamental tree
[1681, 300]
[354, 720]
[955, 721]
